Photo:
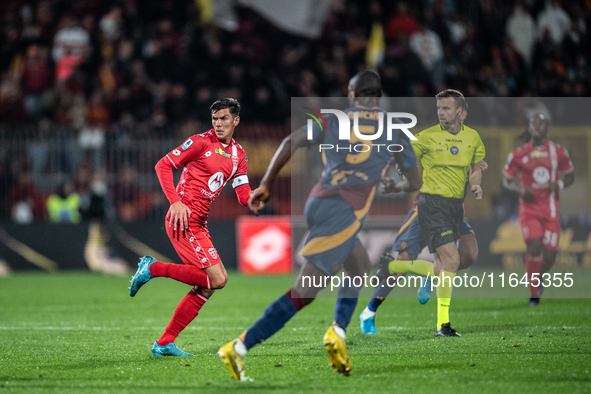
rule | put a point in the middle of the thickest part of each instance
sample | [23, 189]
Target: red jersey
[538, 166]
[208, 165]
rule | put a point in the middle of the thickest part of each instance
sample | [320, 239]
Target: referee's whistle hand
[477, 191]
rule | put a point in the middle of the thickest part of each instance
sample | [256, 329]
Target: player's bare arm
[262, 194]
[476, 179]
[524, 192]
[561, 184]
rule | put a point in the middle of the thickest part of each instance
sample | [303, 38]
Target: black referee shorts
[440, 218]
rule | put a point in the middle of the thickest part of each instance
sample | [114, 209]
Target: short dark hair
[459, 99]
[367, 83]
[231, 103]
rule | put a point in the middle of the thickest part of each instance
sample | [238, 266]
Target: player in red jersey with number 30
[539, 162]
[210, 160]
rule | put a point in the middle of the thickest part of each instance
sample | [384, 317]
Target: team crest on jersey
[216, 181]
[454, 150]
[213, 253]
[403, 245]
[221, 152]
[187, 144]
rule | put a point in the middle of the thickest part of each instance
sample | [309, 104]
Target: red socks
[294, 296]
[185, 312]
[533, 265]
[188, 274]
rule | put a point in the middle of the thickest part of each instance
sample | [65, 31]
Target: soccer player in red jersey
[210, 160]
[539, 162]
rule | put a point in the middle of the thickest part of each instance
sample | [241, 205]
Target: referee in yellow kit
[447, 152]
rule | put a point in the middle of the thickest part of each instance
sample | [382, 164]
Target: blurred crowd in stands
[115, 71]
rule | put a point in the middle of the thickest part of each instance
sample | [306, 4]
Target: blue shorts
[333, 232]
[410, 237]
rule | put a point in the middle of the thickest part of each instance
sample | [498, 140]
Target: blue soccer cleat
[368, 326]
[424, 292]
[142, 276]
[168, 350]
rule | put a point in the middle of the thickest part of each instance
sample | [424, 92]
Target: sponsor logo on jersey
[246, 158]
[220, 151]
[208, 194]
[216, 181]
[541, 175]
[176, 152]
[454, 150]
[213, 253]
[208, 153]
[537, 153]
[187, 144]
[403, 245]
[525, 159]
[448, 232]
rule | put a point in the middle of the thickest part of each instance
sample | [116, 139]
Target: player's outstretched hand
[483, 165]
[258, 198]
[527, 194]
[477, 191]
[179, 214]
[389, 185]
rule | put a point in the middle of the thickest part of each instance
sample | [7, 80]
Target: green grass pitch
[82, 333]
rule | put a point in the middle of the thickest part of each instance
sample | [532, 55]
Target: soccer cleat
[384, 267]
[446, 331]
[168, 350]
[534, 301]
[368, 326]
[337, 351]
[424, 292]
[142, 276]
[233, 360]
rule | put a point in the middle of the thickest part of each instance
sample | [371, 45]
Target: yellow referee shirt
[446, 159]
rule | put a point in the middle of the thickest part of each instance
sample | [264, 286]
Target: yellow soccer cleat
[233, 360]
[337, 350]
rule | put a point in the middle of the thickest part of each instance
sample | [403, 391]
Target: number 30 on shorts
[550, 238]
